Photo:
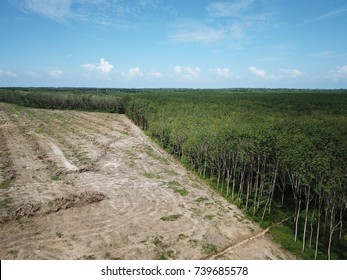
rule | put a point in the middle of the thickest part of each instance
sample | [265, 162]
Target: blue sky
[174, 43]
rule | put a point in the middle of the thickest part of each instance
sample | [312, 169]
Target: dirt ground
[81, 185]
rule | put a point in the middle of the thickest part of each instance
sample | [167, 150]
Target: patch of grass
[161, 256]
[56, 177]
[182, 191]
[284, 235]
[5, 185]
[210, 248]
[89, 257]
[165, 255]
[174, 184]
[150, 152]
[209, 217]
[131, 154]
[196, 211]
[182, 236]
[158, 241]
[161, 248]
[6, 203]
[171, 172]
[201, 199]
[81, 157]
[151, 175]
[59, 234]
[171, 218]
[193, 243]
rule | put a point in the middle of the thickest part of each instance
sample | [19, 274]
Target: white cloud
[225, 21]
[33, 74]
[154, 74]
[339, 73]
[56, 73]
[89, 66]
[294, 73]
[188, 31]
[325, 16]
[8, 74]
[262, 74]
[133, 73]
[223, 72]
[257, 72]
[105, 12]
[57, 10]
[103, 66]
[331, 14]
[188, 73]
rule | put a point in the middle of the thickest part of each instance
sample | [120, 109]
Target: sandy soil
[94, 186]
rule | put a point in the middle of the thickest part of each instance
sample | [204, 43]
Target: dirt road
[80, 185]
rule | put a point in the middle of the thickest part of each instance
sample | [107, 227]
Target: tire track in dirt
[29, 166]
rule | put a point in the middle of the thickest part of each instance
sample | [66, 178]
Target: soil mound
[76, 200]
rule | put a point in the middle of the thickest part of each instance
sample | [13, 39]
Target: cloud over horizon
[262, 74]
[187, 73]
[7, 73]
[103, 67]
[339, 73]
[55, 73]
[133, 73]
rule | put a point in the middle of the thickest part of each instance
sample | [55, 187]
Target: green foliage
[201, 199]
[151, 175]
[171, 218]
[210, 248]
[180, 190]
[5, 185]
[65, 98]
[89, 257]
[5, 205]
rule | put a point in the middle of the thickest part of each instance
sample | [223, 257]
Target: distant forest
[279, 154]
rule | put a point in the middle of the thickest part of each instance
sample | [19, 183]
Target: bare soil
[81, 185]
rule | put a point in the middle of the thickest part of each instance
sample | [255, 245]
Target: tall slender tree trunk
[241, 183]
[234, 180]
[318, 225]
[273, 186]
[331, 231]
[297, 220]
[249, 184]
[307, 202]
[311, 225]
[342, 209]
[270, 195]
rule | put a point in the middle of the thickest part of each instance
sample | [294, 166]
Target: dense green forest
[278, 154]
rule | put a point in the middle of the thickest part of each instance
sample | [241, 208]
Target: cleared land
[81, 185]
